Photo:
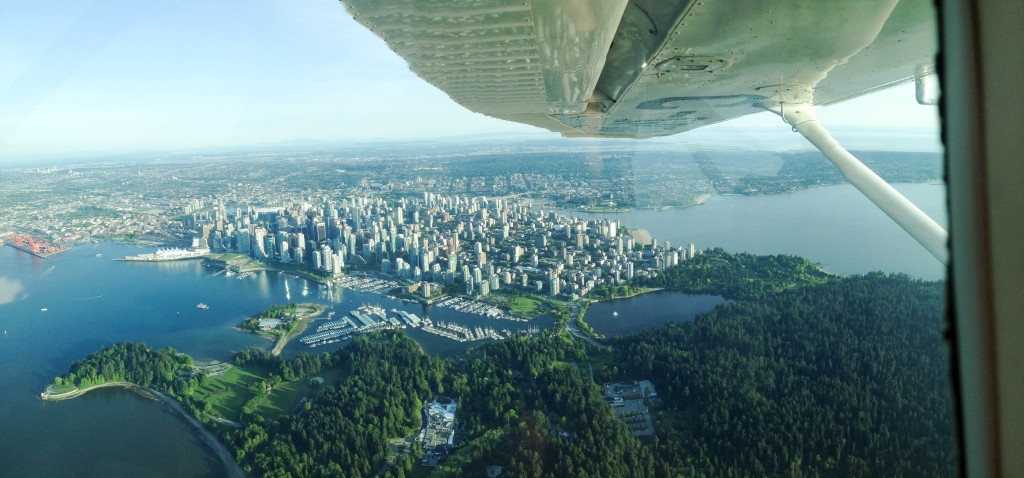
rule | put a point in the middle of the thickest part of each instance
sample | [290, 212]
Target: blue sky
[121, 76]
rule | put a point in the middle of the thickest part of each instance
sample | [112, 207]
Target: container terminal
[35, 244]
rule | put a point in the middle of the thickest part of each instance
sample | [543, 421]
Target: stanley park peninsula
[791, 371]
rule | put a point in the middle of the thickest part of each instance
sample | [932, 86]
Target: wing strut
[925, 230]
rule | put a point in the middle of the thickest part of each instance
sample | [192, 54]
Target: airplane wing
[643, 68]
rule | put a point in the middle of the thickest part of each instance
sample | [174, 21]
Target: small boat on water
[202, 306]
[615, 314]
[44, 309]
[99, 255]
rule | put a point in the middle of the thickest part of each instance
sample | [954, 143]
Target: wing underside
[646, 68]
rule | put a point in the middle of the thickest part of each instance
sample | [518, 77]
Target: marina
[483, 309]
[364, 319]
[368, 318]
[464, 319]
[374, 317]
[383, 287]
[460, 333]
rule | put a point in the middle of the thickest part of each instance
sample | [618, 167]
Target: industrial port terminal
[34, 244]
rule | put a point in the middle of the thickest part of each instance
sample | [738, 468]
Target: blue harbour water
[94, 301]
[835, 226]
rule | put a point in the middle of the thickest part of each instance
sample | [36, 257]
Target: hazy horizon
[120, 78]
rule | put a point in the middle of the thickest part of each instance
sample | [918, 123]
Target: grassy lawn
[303, 270]
[283, 398]
[228, 392]
[523, 305]
[230, 256]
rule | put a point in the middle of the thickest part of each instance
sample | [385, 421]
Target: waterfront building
[270, 246]
[257, 243]
[283, 251]
[339, 263]
[327, 257]
[494, 283]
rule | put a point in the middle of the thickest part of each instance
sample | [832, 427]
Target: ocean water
[93, 301]
[835, 226]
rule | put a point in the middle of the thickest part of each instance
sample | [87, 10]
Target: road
[299, 328]
[570, 325]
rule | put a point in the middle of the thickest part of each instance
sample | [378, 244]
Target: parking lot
[627, 400]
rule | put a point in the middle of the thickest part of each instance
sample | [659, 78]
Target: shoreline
[697, 201]
[652, 289]
[702, 198]
[303, 323]
[227, 459]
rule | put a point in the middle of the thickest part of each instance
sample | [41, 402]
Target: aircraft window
[379, 239]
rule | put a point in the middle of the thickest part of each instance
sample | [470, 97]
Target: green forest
[741, 276]
[158, 369]
[847, 378]
[801, 373]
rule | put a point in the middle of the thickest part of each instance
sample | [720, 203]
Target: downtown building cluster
[471, 245]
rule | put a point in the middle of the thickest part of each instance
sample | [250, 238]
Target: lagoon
[647, 311]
